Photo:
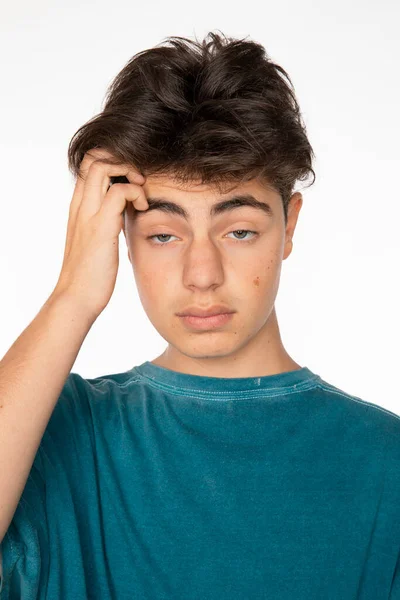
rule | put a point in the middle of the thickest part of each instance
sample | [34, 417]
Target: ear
[294, 207]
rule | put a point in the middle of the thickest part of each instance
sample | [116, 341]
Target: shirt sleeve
[25, 540]
[25, 548]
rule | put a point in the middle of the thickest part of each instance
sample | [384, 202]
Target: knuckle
[89, 157]
[97, 167]
[93, 156]
[135, 172]
[96, 153]
[117, 188]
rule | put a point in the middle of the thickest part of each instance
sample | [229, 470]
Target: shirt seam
[241, 395]
[333, 390]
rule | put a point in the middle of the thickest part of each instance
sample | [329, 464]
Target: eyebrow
[224, 206]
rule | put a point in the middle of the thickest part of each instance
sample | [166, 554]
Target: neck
[263, 355]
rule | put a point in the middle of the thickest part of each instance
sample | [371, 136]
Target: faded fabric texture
[154, 484]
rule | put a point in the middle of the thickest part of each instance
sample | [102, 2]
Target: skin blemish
[256, 281]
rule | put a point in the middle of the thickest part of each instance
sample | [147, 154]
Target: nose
[203, 265]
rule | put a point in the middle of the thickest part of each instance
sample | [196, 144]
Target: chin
[202, 345]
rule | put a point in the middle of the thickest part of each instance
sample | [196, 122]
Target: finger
[117, 197]
[88, 159]
[96, 184]
[100, 155]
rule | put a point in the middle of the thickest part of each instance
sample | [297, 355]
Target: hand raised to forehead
[90, 263]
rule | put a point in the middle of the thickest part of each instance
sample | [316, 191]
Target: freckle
[256, 281]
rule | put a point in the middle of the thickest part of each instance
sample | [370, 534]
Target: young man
[222, 468]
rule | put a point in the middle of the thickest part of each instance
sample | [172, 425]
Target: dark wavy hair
[218, 110]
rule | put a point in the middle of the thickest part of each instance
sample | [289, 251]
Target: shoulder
[89, 399]
[78, 388]
[375, 411]
[376, 424]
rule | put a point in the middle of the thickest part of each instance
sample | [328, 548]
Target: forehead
[190, 201]
[197, 200]
[194, 188]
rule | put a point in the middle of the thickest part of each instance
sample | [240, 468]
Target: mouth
[210, 322]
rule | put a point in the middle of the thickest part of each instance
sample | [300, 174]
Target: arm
[32, 375]
[35, 368]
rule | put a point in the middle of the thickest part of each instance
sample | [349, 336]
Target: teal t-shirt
[153, 484]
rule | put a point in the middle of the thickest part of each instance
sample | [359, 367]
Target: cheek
[265, 274]
[152, 286]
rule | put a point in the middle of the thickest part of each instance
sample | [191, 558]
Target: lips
[205, 312]
[207, 323]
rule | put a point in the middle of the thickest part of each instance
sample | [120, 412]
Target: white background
[338, 302]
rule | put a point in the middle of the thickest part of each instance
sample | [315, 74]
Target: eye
[245, 231]
[158, 235]
[166, 235]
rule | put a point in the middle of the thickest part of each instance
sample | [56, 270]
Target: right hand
[90, 265]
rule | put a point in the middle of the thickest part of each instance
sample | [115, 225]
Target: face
[230, 257]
